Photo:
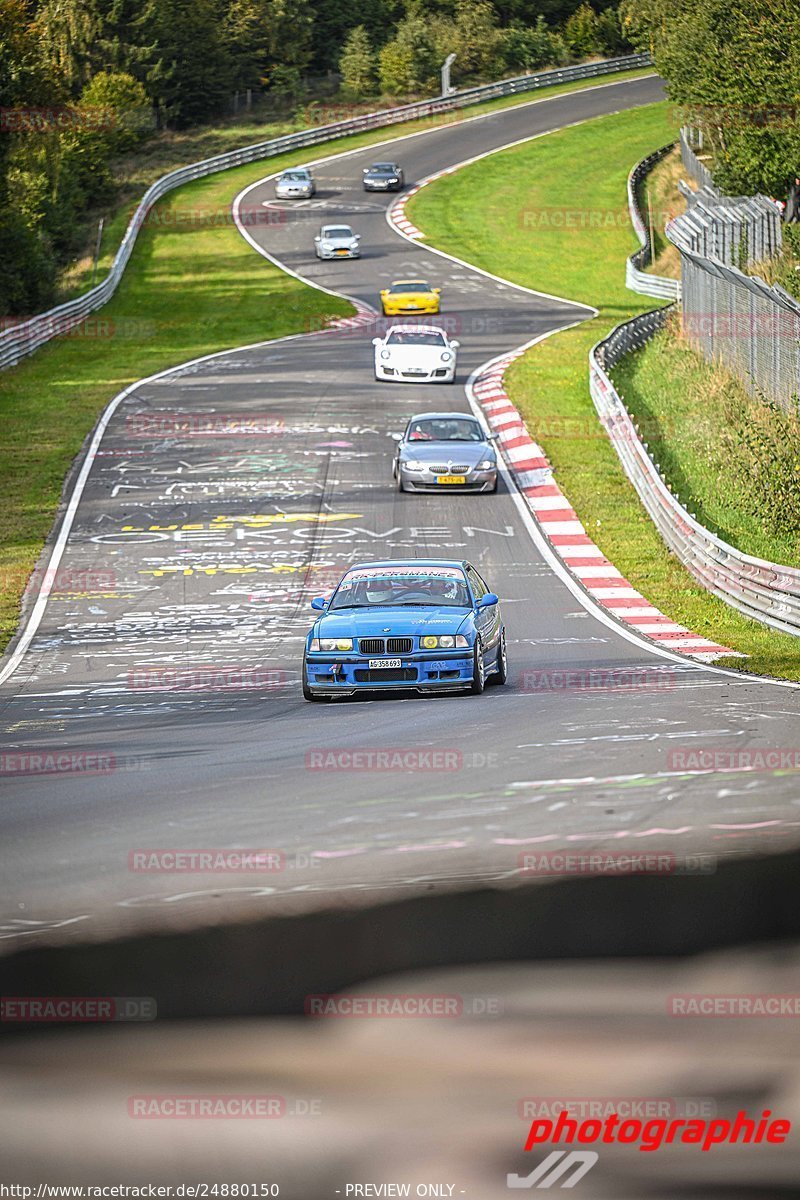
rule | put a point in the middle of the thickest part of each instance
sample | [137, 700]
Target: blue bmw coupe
[428, 625]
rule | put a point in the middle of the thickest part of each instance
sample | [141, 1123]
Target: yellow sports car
[409, 296]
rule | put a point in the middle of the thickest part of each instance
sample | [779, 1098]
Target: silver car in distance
[445, 450]
[337, 241]
[295, 184]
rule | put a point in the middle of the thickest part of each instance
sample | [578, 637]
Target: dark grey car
[383, 177]
[440, 450]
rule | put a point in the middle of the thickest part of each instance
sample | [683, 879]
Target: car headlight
[413, 465]
[327, 645]
[354, 244]
[445, 641]
[386, 354]
[446, 356]
[486, 464]
[326, 246]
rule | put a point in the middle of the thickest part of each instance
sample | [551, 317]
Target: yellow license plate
[451, 479]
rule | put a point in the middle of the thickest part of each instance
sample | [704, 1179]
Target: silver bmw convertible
[441, 450]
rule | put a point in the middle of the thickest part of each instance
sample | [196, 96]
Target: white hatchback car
[337, 241]
[415, 354]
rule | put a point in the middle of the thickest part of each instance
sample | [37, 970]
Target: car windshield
[410, 285]
[383, 168]
[415, 337]
[397, 586]
[445, 429]
[295, 177]
[337, 231]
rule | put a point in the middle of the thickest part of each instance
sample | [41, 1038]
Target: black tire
[307, 692]
[478, 670]
[501, 674]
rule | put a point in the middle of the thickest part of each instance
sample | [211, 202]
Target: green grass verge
[500, 214]
[732, 458]
[191, 288]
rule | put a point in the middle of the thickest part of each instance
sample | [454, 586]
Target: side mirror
[396, 437]
[365, 171]
[357, 237]
[436, 290]
[376, 341]
[488, 600]
[319, 602]
[491, 436]
[318, 238]
[455, 345]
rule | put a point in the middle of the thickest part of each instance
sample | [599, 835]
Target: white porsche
[415, 354]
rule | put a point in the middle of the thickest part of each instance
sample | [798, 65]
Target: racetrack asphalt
[167, 659]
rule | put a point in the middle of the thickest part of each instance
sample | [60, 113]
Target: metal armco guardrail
[23, 338]
[636, 278]
[765, 591]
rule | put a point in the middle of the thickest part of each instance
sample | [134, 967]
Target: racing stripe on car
[561, 525]
[397, 216]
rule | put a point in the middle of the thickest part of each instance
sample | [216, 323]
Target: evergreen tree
[581, 32]
[357, 64]
[191, 78]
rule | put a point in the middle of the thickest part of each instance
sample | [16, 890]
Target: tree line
[732, 68]
[83, 82]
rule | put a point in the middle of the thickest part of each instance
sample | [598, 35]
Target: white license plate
[384, 662]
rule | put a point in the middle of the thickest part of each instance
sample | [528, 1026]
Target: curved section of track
[158, 705]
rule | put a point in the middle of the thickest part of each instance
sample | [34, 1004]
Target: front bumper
[404, 310]
[374, 186]
[425, 481]
[344, 674]
[293, 194]
[445, 373]
[327, 254]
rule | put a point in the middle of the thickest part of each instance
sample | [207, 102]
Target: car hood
[417, 354]
[404, 297]
[446, 452]
[403, 622]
